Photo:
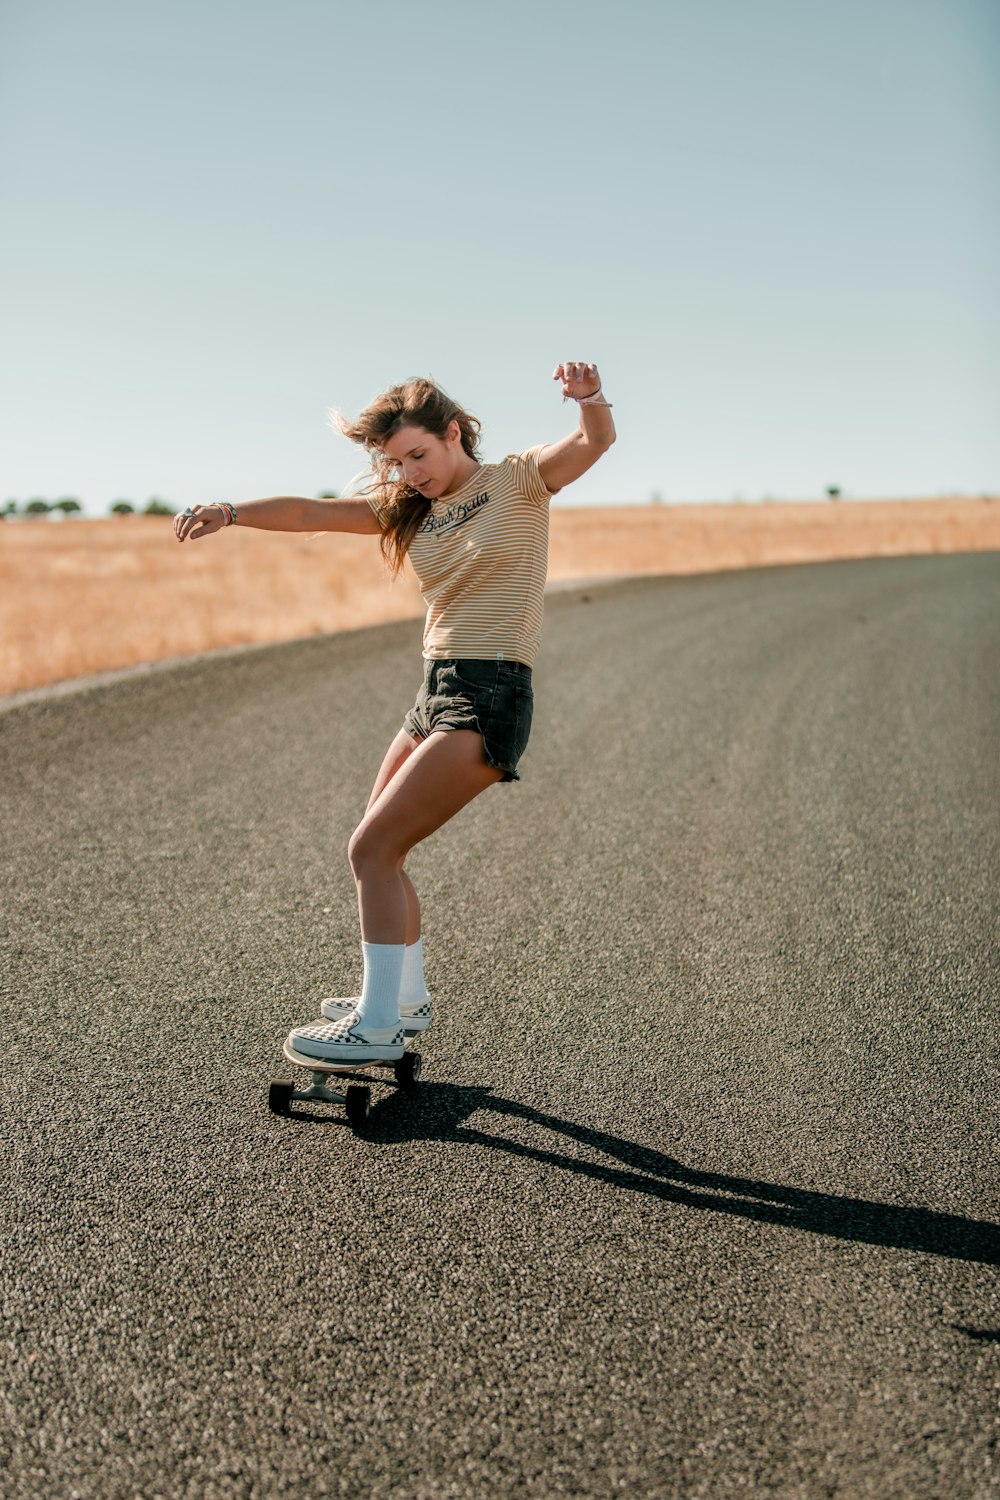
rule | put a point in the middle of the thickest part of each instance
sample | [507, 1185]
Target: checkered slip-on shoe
[415, 1017]
[348, 1041]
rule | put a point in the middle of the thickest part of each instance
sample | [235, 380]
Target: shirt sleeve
[529, 480]
[373, 499]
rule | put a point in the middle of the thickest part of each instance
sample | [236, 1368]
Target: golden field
[79, 597]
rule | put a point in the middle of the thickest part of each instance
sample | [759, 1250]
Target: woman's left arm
[560, 463]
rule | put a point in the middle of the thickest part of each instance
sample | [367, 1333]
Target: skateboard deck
[357, 1097]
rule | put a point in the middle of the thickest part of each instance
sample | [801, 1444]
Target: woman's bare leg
[396, 757]
[424, 787]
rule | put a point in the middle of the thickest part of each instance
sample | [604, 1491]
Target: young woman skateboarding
[477, 536]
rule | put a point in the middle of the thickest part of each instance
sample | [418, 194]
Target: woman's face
[431, 464]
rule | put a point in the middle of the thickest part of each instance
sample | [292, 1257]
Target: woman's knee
[369, 848]
[357, 849]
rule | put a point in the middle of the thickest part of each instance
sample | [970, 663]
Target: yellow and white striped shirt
[480, 558]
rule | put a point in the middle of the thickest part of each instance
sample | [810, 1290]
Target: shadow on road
[442, 1111]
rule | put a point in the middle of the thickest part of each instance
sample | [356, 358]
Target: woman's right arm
[280, 513]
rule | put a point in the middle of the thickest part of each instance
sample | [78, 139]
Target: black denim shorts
[493, 697]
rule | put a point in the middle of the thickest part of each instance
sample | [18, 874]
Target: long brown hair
[415, 403]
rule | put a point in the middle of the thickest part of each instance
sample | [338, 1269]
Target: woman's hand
[578, 379]
[198, 521]
[560, 463]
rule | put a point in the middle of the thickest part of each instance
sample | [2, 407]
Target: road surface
[699, 1196]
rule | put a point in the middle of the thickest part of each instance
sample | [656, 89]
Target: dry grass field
[79, 597]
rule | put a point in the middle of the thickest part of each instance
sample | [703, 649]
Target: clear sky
[773, 223]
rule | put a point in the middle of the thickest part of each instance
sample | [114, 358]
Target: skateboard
[357, 1097]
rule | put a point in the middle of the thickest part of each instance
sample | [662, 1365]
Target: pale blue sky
[773, 223]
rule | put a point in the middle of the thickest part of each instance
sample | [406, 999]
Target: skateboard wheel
[279, 1097]
[359, 1103]
[407, 1069]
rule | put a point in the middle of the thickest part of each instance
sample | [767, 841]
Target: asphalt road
[699, 1194]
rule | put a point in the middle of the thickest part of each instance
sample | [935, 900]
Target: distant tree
[123, 508]
[833, 491]
[328, 495]
[158, 508]
[656, 497]
[68, 507]
[37, 508]
[10, 508]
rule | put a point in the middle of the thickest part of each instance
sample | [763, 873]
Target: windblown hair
[415, 403]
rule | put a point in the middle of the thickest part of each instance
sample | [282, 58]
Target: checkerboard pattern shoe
[416, 1017]
[348, 1041]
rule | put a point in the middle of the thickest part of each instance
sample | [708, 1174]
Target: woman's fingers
[194, 522]
[576, 374]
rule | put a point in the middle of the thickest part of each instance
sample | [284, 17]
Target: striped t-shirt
[480, 558]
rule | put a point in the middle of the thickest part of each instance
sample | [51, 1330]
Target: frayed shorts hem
[442, 728]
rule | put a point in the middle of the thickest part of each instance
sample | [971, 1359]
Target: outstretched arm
[282, 513]
[560, 463]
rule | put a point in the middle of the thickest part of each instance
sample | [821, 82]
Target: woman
[477, 536]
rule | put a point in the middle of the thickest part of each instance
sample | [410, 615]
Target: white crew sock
[379, 1003]
[413, 986]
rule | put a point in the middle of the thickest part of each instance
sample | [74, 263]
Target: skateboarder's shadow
[443, 1111]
